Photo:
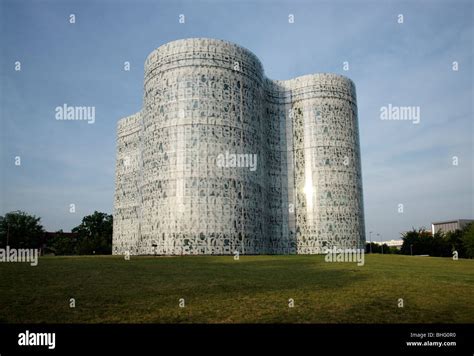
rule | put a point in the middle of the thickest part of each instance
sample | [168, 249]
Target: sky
[407, 64]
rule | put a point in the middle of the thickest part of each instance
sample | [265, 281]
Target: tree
[95, 234]
[410, 238]
[468, 240]
[417, 242]
[454, 240]
[440, 245]
[62, 244]
[20, 230]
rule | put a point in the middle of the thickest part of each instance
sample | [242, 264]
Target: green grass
[255, 289]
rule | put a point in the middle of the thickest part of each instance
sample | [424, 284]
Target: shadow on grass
[134, 289]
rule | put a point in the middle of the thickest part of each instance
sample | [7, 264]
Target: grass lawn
[109, 289]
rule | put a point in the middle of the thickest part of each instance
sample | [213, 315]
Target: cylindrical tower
[204, 184]
[127, 200]
[326, 164]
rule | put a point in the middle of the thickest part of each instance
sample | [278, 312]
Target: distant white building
[449, 225]
[392, 243]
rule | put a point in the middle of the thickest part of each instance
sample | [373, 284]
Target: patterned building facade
[207, 99]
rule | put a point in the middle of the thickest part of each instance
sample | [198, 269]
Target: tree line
[92, 236]
[441, 244]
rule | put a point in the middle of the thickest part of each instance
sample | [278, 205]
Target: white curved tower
[221, 159]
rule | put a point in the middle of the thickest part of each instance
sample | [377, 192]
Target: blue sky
[409, 64]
